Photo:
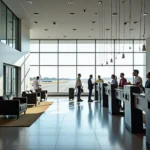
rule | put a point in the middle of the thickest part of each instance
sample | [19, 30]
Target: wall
[11, 56]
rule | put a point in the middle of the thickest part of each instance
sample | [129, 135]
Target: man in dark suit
[90, 87]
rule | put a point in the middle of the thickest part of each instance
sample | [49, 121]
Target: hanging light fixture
[111, 60]
[144, 46]
[124, 30]
[123, 56]
[116, 31]
[140, 25]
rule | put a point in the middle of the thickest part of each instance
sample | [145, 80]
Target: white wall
[11, 56]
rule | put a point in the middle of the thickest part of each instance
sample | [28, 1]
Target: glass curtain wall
[58, 62]
[9, 27]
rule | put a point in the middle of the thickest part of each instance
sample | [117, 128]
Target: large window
[58, 62]
[67, 78]
[3, 23]
[9, 27]
[48, 78]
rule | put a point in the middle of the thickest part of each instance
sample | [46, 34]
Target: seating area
[14, 106]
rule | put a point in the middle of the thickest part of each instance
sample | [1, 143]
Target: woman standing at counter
[114, 80]
[147, 84]
[123, 80]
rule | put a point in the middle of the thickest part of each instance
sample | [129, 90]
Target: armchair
[33, 98]
[15, 106]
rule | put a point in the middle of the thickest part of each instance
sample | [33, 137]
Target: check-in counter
[142, 103]
[119, 92]
[96, 88]
[113, 103]
[102, 95]
[132, 115]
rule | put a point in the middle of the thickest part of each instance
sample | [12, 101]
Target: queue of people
[123, 81]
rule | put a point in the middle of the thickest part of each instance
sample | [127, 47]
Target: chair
[43, 94]
[33, 98]
[13, 106]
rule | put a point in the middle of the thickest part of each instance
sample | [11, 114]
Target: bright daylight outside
[58, 62]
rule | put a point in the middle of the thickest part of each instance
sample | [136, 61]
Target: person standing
[123, 80]
[138, 80]
[79, 86]
[100, 80]
[90, 87]
[36, 84]
[114, 79]
[147, 84]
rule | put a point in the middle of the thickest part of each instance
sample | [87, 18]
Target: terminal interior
[61, 46]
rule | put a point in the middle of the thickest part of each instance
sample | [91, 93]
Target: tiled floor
[72, 126]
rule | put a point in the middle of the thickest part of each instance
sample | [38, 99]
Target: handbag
[82, 90]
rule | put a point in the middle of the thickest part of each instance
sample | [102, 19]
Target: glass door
[10, 82]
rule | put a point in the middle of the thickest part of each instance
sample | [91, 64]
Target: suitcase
[71, 93]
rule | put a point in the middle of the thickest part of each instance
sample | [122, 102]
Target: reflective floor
[73, 126]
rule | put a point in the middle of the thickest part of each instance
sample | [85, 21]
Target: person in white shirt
[137, 79]
[79, 86]
[36, 84]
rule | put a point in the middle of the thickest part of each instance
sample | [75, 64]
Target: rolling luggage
[71, 93]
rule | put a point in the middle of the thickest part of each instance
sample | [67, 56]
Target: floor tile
[77, 140]
[77, 148]
[31, 148]
[36, 140]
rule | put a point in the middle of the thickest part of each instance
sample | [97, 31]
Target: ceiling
[59, 11]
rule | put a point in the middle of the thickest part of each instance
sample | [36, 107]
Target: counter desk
[142, 103]
[113, 103]
[103, 97]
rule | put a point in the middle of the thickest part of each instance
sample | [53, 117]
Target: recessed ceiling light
[123, 1]
[29, 2]
[35, 22]
[84, 10]
[72, 14]
[107, 29]
[92, 29]
[36, 14]
[131, 29]
[65, 36]
[90, 36]
[99, 2]
[46, 29]
[135, 22]
[70, 2]
[125, 23]
[145, 14]
[74, 29]
[93, 21]
[96, 13]
[114, 14]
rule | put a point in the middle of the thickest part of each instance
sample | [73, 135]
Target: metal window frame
[76, 52]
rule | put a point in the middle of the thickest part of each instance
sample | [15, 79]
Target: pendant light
[144, 46]
[140, 25]
[130, 15]
[124, 25]
[116, 31]
[111, 60]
